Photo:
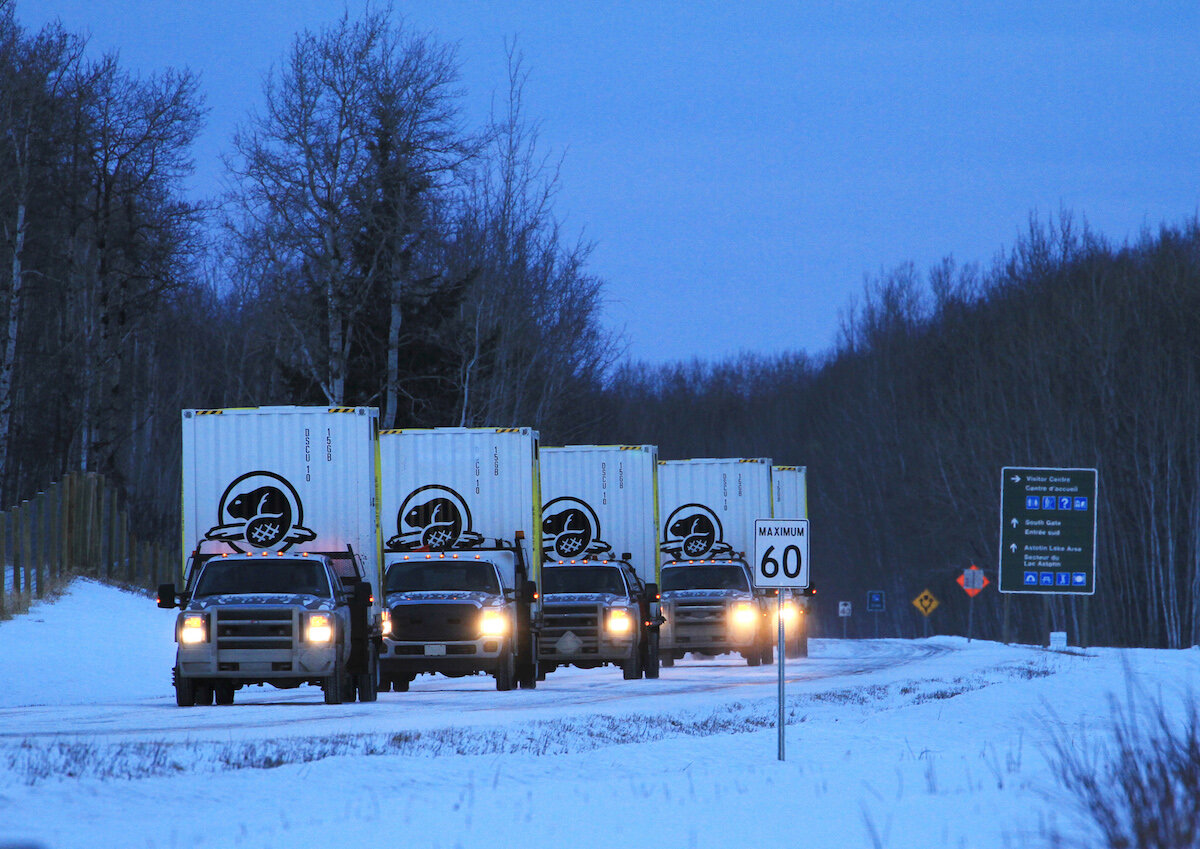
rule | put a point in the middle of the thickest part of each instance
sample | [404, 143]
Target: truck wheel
[507, 672]
[527, 667]
[400, 685]
[753, 658]
[185, 691]
[651, 665]
[668, 660]
[204, 693]
[333, 685]
[631, 669]
[223, 693]
[368, 682]
[528, 678]
[768, 655]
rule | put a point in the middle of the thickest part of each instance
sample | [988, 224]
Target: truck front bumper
[301, 662]
[458, 657]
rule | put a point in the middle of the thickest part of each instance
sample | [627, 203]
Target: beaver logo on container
[571, 529]
[434, 518]
[693, 532]
[260, 510]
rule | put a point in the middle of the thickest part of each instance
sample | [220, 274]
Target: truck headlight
[320, 628]
[744, 615]
[194, 629]
[791, 612]
[619, 621]
[493, 623]
[385, 623]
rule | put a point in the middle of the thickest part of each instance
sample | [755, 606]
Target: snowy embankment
[889, 743]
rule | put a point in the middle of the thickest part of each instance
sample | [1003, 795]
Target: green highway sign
[1048, 531]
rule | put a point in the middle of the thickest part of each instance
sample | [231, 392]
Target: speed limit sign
[781, 553]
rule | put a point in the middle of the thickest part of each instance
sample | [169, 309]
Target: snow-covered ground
[890, 743]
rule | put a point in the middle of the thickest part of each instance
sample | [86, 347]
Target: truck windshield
[443, 576]
[582, 579]
[263, 577]
[714, 576]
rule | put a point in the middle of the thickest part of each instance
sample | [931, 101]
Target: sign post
[972, 581]
[875, 606]
[781, 562]
[844, 614]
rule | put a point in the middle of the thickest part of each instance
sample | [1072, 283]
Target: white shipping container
[459, 488]
[708, 506]
[600, 501]
[789, 492]
[273, 479]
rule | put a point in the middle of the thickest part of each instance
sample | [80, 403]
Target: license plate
[435, 650]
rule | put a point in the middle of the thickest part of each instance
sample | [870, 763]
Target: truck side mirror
[362, 594]
[652, 593]
[166, 596]
[528, 592]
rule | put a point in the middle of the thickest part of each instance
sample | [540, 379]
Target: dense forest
[375, 249]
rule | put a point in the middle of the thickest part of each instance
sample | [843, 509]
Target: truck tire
[204, 693]
[400, 685]
[506, 672]
[753, 657]
[185, 691]
[668, 660]
[527, 666]
[333, 686]
[631, 669]
[368, 682]
[651, 665]
[223, 692]
[768, 654]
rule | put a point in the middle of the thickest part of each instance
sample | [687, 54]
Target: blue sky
[743, 166]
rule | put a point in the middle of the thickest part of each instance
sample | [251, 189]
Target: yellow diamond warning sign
[926, 602]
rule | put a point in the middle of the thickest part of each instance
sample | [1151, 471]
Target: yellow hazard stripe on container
[209, 412]
[509, 430]
[341, 409]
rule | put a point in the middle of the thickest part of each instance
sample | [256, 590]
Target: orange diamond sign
[973, 581]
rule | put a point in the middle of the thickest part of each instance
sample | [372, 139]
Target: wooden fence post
[56, 531]
[126, 554]
[18, 519]
[40, 543]
[71, 522]
[3, 563]
[93, 522]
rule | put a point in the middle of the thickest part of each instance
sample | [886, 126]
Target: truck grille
[700, 613]
[698, 622]
[583, 620]
[435, 622]
[255, 628]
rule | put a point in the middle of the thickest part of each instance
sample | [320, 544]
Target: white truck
[460, 515]
[281, 553]
[711, 606]
[599, 559]
[789, 499]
